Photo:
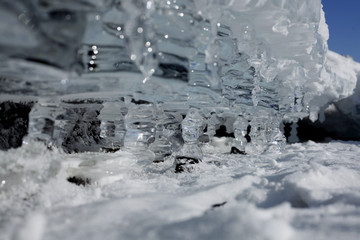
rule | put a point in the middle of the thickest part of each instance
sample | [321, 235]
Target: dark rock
[110, 150]
[79, 181]
[83, 134]
[14, 122]
[338, 125]
[247, 136]
[235, 150]
[218, 204]
[140, 102]
[222, 132]
[287, 130]
[182, 163]
[160, 160]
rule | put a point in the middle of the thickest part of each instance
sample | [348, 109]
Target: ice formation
[124, 74]
[167, 105]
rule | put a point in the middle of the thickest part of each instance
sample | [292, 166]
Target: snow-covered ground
[309, 191]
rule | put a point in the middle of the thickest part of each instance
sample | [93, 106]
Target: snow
[310, 190]
[33, 227]
[344, 72]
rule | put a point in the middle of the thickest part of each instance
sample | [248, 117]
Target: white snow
[310, 190]
[345, 74]
[33, 227]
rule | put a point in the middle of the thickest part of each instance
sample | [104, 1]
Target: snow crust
[309, 191]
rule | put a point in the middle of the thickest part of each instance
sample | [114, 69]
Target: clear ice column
[140, 131]
[275, 138]
[192, 127]
[240, 130]
[42, 120]
[164, 144]
[112, 127]
[258, 142]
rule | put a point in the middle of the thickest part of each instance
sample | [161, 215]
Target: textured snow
[345, 73]
[310, 190]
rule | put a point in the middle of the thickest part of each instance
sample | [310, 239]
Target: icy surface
[261, 62]
[309, 191]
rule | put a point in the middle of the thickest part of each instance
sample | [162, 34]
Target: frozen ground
[310, 191]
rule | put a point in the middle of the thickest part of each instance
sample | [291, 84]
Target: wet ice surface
[310, 190]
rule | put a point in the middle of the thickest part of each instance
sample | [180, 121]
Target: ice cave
[176, 119]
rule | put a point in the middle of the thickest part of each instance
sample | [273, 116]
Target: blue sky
[343, 18]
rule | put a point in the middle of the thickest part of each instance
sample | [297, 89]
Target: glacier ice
[106, 75]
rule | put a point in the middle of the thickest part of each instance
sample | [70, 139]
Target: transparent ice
[240, 131]
[137, 75]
